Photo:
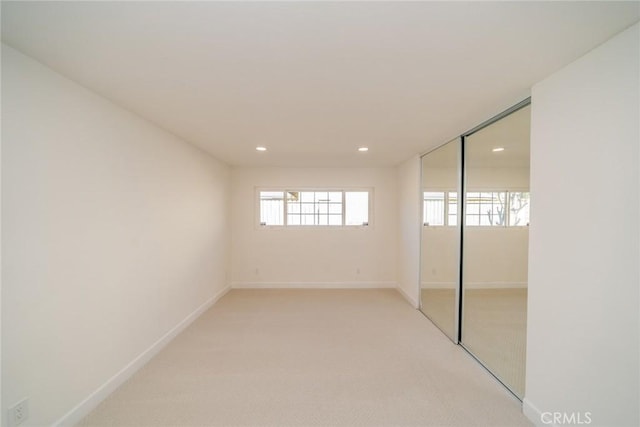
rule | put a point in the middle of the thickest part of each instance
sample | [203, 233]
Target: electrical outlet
[19, 413]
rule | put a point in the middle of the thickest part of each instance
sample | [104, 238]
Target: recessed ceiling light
[261, 148]
[498, 149]
[363, 149]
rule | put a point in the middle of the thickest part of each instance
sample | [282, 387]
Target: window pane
[322, 208]
[433, 208]
[486, 208]
[335, 196]
[320, 196]
[473, 204]
[335, 219]
[519, 209]
[271, 208]
[495, 208]
[307, 220]
[307, 208]
[357, 208]
[453, 208]
[314, 208]
[293, 219]
[319, 208]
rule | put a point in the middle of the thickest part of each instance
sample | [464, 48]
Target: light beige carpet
[494, 328]
[439, 305]
[311, 358]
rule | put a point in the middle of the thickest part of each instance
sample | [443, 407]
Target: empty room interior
[320, 213]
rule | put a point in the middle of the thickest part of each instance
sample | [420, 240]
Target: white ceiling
[312, 81]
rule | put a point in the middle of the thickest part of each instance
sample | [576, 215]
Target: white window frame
[343, 190]
[446, 192]
[507, 192]
[483, 204]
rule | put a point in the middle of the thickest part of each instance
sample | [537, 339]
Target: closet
[474, 248]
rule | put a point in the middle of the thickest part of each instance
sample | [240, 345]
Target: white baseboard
[414, 303]
[312, 285]
[90, 402]
[496, 285]
[438, 285]
[475, 285]
[533, 413]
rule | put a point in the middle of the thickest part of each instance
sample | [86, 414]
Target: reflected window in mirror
[440, 208]
[497, 208]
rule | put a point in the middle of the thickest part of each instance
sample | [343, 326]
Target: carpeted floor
[440, 306]
[495, 331]
[494, 328]
[311, 358]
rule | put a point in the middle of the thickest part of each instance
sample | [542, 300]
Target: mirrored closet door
[440, 263]
[474, 249]
[496, 241]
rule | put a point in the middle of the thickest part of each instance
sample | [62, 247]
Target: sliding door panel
[495, 245]
[440, 237]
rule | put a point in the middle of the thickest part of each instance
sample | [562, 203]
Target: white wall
[582, 350]
[115, 232]
[409, 212]
[494, 257]
[497, 178]
[308, 256]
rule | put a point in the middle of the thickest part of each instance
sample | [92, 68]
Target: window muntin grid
[440, 208]
[486, 208]
[314, 208]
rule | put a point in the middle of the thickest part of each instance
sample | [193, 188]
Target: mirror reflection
[495, 247]
[440, 237]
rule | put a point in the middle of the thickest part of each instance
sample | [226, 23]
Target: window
[433, 209]
[518, 209]
[488, 208]
[314, 208]
[356, 208]
[452, 208]
[271, 208]
[440, 208]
